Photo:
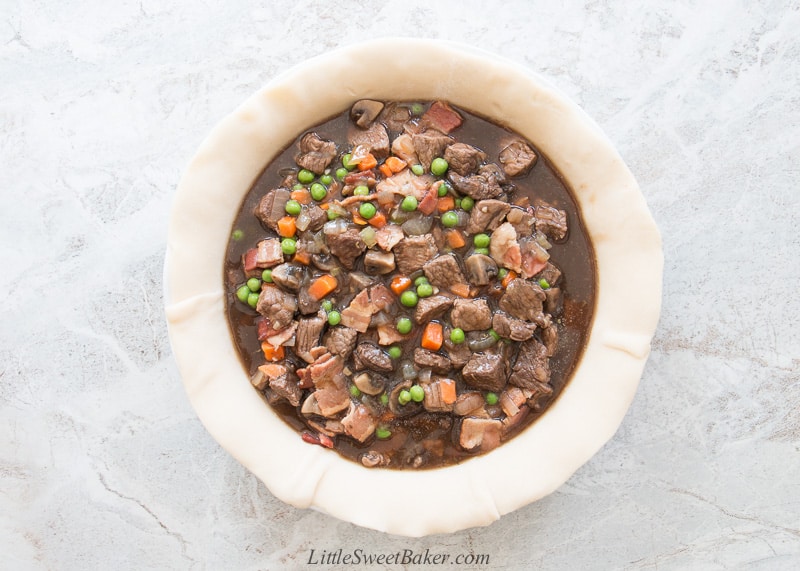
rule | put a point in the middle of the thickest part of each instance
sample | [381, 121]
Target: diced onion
[368, 235]
[303, 220]
[338, 226]
[417, 226]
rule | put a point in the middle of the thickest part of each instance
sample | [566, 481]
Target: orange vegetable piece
[461, 290]
[448, 390]
[368, 162]
[432, 336]
[322, 286]
[357, 218]
[302, 196]
[379, 220]
[302, 256]
[287, 227]
[272, 353]
[400, 284]
[385, 170]
[428, 204]
[446, 203]
[511, 275]
[395, 164]
[455, 239]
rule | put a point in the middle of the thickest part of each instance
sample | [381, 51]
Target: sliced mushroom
[369, 383]
[364, 112]
[480, 269]
[373, 458]
[325, 262]
[288, 276]
[310, 406]
[377, 262]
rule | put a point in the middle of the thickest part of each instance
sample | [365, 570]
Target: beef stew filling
[409, 284]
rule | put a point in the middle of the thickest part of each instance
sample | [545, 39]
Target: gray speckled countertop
[103, 464]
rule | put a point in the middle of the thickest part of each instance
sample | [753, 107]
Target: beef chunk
[315, 153]
[375, 138]
[485, 371]
[429, 145]
[553, 302]
[308, 334]
[359, 422]
[369, 356]
[430, 360]
[491, 170]
[521, 220]
[471, 314]
[512, 328]
[532, 365]
[551, 222]
[481, 269]
[377, 262]
[481, 186]
[523, 300]
[286, 386]
[441, 117]
[487, 215]
[443, 271]
[271, 207]
[459, 353]
[306, 303]
[277, 306]
[318, 217]
[347, 246]
[463, 159]
[429, 308]
[389, 236]
[550, 273]
[517, 158]
[340, 341]
[550, 339]
[412, 252]
[481, 434]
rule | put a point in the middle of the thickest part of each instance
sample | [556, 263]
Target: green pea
[361, 190]
[409, 204]
[404, 325]
[492, 398]
[544, 284]
[443, 189]
[449, 219]
[341, 173]
[417, 109]
[334, 318]
[501, 273]
[418, 169]
[420, 280]
[237, 235]
[293, 207]
[417, 393]
[481, 240]
[327, 305]
[395, 352]
[332, 215]
[305, 176]
[484, 251]
[266, 275]
[467, 203]
[458, 203]
[367, 210]
[242, 293]
[457, 335]
[424, 290]
[326, 179]
[494, 334]
[298, 186]
[289, 246]
[318, 191]
[385, 400]
[409, 298]
[355, 392]
[383, 433]
[404, 397]
[252, 300]
[439, 166]
[346, 162]
[254, 284]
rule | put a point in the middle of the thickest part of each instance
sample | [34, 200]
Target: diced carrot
[322, 286]
[272, 371]
[368, 162]
[400, 284]
[432, 336]
[325, 205]
[302, 196]
[302, 257]
[511, 275]
[287, 227]
[385, 170]
[448, 390]
[395, 164]
[379, 220]
[446, 203]
[461, 290]
[357, 218]
[428, 204]
[455, 239]
[272, 353]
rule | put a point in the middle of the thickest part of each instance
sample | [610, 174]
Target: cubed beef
[517, 158]
[388, 236]
[315, 153]
[443, 271]
[309, 331]
[369, 356]
[340, 340]
[521, 220]
[377, 262]
[429, 308]
[481, 434]
[471, 314]
[395, 116]
[523, 299]
[286, 386]
[532, 365]
[375, 138]
[487, 215]
[307, 304]
[492, 171]
[412, 252]
[430, 360]
[277, 307]
[459, 353]
[481, 269]
[347, 246]
[463, 159]
[486, 371]
[551, 274]
[429, 145]
[359, 422]
[271, 207]
[550, 338]
[512, 328]
[317, 216]
[551, 221]
[485, 184]
[553, 302]
[442, 117]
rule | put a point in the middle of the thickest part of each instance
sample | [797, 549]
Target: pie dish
[478, 491]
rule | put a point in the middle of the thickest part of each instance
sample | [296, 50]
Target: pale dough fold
[480, 490]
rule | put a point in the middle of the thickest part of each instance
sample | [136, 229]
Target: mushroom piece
[325, 262]
[480, 269]
[311, 406]
[376, 262]
[364, 112]
[369, 384]
[288, 276]
[373, 458]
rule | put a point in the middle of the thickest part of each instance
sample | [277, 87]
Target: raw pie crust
[531, 465]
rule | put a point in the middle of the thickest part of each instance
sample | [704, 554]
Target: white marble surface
[103, 464]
